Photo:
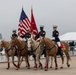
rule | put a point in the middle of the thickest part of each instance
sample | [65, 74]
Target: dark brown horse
[22, 50]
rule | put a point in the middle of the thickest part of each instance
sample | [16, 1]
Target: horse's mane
[35, 43]
[19, 40]
[16, 39]
[48, 42]
[4, 41]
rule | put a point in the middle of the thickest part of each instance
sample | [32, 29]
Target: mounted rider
[14, 33]
[55, 35]
[42, 34]
[27, 35]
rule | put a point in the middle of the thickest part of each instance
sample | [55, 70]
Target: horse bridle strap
[36, 48]
[21, 49]
[8, 49]
[51, 48]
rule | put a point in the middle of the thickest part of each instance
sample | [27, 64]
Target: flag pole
[31, 17]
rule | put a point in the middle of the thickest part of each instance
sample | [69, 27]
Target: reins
[19, 50]
[36, 48]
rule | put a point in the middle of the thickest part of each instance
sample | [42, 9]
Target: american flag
[24, 23]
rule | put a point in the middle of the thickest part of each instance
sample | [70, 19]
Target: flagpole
[31, 21]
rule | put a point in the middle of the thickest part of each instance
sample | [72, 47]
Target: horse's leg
[27, 61]
[55, 60]
[62, 58]
[35, 64]
[47, 61]
[8, 62]
[21, 60]
[13, 61]
[18, 62]
[37, 61]
[51, 61]
[68, 58]
[40, 64]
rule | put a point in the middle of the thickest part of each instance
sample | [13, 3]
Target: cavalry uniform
[26, 36]
[55, 35]
[14, 35]
[42, 33]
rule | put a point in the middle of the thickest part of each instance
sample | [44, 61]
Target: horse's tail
[68, 55]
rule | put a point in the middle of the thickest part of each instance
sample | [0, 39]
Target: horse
[35, 48]
[51, 50]
[66, 51]
[8, 51]
[22, 50]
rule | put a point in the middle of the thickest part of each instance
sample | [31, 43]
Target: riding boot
[60, 51]
[44, 50]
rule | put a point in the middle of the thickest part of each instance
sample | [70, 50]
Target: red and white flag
[33, 24]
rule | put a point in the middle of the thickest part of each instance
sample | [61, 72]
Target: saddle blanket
[62, 46]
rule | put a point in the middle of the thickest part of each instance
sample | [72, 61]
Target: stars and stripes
[24, 24]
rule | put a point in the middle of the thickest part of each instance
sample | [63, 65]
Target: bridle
[34, 50]
[16, 47]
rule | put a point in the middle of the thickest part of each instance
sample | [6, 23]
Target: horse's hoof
[61, 67]
[41, 68]
[16, 68]
[35, 68]
[7, 68]
[56, 68]
[68, 65]
[50, 66]
[46, 69]
[28, 67]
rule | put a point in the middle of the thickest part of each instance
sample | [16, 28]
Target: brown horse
[51, 50]
[22, 50]
[8, 51]
[66, 51]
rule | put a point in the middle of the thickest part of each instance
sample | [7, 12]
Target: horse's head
[31, 43]
[1, 45]
[13, 42]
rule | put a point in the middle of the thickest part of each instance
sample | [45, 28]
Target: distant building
[0, 36]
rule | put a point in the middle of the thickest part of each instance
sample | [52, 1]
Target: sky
[46, 12]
